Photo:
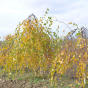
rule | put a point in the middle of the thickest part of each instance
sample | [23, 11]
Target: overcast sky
[14, 11]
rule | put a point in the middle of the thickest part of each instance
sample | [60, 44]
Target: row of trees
[36, 48]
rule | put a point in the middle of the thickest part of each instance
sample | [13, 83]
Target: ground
[29, 81]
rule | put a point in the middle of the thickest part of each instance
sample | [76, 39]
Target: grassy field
[31, 81]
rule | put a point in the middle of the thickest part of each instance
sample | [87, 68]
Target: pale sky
[14, 11]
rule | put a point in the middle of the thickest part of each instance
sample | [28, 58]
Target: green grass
[64, 82]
